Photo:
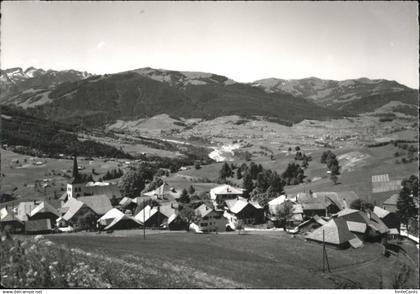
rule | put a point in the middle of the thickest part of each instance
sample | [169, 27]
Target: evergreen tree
[247, 184]
[184, 198]
[238, 174]
[132, 184]
[225, 172]
[406, 208]
[191, 190]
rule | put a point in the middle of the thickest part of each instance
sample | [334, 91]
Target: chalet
[77, 214]
[100, 204]
[311, 224]
[151, 216]
[208, 220]
[176, 223]
[224, 192]
[242, 209]
[8, 219]
[390, 204]
[44, 210]
[163, 192]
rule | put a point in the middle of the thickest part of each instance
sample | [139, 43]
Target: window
[204, 224]
[205, 218]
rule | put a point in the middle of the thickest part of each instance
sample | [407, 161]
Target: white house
[222, 193]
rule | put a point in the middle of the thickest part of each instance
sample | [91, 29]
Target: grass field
[253, 260]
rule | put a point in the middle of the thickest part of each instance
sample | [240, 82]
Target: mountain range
[76, 96]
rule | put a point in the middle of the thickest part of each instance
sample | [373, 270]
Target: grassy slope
[269, 260]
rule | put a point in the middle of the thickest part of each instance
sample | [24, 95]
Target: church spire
[75, 168]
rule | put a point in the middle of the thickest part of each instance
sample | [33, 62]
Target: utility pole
[324, 254]
[144, 220]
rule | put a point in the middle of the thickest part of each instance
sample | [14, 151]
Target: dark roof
[38, 225]
[77, 180]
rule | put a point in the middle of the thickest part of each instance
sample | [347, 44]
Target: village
[334, 218]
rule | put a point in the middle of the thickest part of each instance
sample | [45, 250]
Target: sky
[245, 41]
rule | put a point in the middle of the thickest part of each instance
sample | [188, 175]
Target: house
[44, 210]
[241, 209]
[163, 192]
[78, 215]
[390, 219]
[335, 232]
[176, 223]
[100, 204]
[151, 216]
[208, 220]
[8, 219]
[224, 192]
[325, 203]
[274, 205]
[23, 210]
[40, 226]
[115, 219]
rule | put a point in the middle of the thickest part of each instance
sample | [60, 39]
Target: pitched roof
[120, 218]
[321, 200]
[44, 207]
[392, 200]
[277, 201]
[146, 213]
[111, 214]
[24, 209]
[125, 201]
[334, 231]
[236, 205]
[380, 212]
[297, 208]
[160, 191]
[100, 204]
[202, 210]
[167, 210]
[226, 190]
[73, 206]
[9, 217]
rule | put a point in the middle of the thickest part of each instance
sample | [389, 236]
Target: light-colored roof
[44, 207]
[202, 210]
[277, 201]
[146, 213]
[24, 209]
[346, 211]
[237, 205]
[356, 227]
[321, 200]
[160, 191]
[111, 214]
[392, 200]
[225, 190]
[297, 209]
[73, 206]
[100, 204]
[3, 213]
[120, 218]
[125, 201]
[97, 184]
[393, 231]
[380, 212]
[167, 210]
[334, 231]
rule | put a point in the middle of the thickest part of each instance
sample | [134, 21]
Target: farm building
[335, 232]
[114, 219]
[40, 226]
[274, 204]
[248, 212]
[208, 220]
[224, 192]
[366, 225]
[151, 216]
[44, 210]
[23, 210]
[390, 219]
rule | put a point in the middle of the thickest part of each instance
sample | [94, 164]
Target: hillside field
[250, 260]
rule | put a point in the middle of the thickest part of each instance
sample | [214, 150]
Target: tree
[406, 208]
[187, 214]
[325, 155]
[334, 179]
[253, 170]
[225, 172]
[277, 184]
[197, 164]
[191, 190]
[238, 174]
[132, 184]
[247, 184]
[184, 198]
[297, 148]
